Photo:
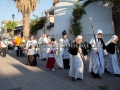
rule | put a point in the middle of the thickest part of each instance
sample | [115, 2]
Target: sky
[7, 9]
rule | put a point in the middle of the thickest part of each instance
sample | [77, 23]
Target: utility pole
[12, 32]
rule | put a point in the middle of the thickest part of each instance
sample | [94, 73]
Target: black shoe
[106, 70]
[117, 75]
[73, 78]
[98, 76]
[93, 74]
[45, 59]
[42, 59]
[79, 79]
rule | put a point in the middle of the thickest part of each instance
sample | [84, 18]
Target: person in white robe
[63, 57]
[51, 51]
[96, 64]
[77, 54]
[112, 65]
[48, 38]
[31, 52]
[43, 45]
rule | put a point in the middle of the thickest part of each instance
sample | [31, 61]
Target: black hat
[64, 33]
[52, 39]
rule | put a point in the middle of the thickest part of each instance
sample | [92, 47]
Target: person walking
[112, 65]
[18, 42]
[3, 45]
[51, 51]
[31, 52]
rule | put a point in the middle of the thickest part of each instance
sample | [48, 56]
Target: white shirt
[43, 40]
[3, 45]
[33, 43]
[51, 48]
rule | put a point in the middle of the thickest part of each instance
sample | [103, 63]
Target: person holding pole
[77, 54]
[96, 64]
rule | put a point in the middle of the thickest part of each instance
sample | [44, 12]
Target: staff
[75, 40]
[95, 39]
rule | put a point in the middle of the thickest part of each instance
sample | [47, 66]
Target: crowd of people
[69, 55]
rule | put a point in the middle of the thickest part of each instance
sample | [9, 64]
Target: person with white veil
[96, 64]
[78, 53]
[43, 45]
[112, 65]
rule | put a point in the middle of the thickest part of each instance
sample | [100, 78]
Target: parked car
[11, 43]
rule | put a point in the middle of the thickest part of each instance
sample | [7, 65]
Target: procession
[69, 55]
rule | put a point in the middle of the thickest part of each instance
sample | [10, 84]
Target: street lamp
[13, 16]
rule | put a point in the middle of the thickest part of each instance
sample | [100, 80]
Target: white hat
[112, 39]
[99, 31]
[78, 37]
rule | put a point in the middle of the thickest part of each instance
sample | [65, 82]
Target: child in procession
[51, 51]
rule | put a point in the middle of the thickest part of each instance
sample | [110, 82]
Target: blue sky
[7, 9]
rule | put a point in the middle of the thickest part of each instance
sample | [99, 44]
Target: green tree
[37, 24]
[11, 25]
[78, 12]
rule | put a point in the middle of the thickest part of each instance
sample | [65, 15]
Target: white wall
[62, 13]
[101, 18]
[40, 32]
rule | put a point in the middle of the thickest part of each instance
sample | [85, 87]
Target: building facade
[4, 30]
[100, 12]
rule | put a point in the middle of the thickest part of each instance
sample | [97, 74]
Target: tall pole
[13, 16]
[95, 40]
[44, 22]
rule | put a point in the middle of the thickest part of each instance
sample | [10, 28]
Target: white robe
[43, 47]
[76, 66]
[51, 47]
[59, 58]
[112, 65]
[96, 63]
[31, 43]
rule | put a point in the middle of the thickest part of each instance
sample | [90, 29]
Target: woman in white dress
[77, 54]
[96, 64]
[112, 65]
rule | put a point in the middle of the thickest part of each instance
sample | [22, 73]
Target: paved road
[15, 74]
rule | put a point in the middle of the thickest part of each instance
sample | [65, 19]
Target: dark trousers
[19, 51]
[66, 63]
[4, 52]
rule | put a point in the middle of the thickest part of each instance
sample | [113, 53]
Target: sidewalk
[14, 74]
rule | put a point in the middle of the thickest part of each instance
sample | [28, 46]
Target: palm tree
[26, 7]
